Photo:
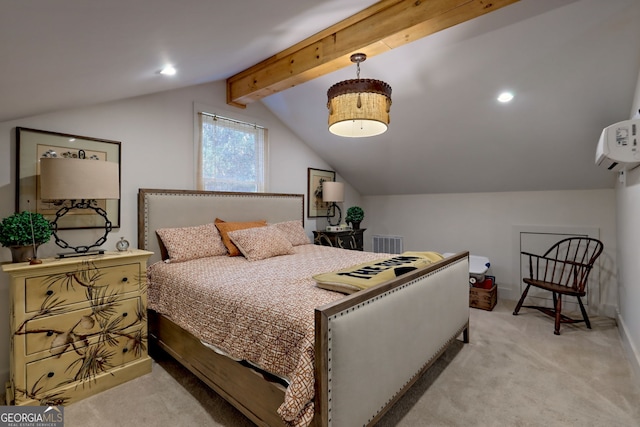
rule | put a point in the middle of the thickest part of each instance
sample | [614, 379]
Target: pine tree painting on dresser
[78, 326]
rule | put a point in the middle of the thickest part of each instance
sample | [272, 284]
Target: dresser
[350, 239]
[78, 326]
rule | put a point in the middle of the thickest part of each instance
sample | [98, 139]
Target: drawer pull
[50, 375]
[125, 279]
[49, 292]
[125, 314]
[49, 333]
[124, 350]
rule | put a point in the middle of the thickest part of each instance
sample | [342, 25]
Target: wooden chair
[562, 270]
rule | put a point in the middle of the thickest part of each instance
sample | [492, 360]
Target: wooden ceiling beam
[377, 29]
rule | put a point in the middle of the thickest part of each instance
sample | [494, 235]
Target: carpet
[514, 372]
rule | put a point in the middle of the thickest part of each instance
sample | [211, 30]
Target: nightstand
[78, 326]
[350, 239]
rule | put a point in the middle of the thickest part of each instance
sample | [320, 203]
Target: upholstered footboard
[373, 345]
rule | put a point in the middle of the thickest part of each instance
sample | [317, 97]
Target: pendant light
[360, 107]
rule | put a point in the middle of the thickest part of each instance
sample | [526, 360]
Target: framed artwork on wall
[315, 177]
[33, 145]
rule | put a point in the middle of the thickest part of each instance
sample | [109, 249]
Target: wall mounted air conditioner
[618, 146]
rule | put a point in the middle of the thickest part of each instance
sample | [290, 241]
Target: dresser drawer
[72, 287]
[83, 365]
[78, 326]
[84, 324]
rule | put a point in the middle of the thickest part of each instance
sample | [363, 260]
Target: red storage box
[486, 284]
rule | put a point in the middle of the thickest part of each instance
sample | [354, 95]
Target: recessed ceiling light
[168, 70]
[505, 97]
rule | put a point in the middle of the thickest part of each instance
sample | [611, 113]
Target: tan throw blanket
[368, 274]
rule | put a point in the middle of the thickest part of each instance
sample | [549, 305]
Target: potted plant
[22, 233]
[355, 214]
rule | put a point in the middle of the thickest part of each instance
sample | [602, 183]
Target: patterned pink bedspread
[260, 311]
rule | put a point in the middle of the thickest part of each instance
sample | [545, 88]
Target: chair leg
[558, 311]
[519, 306]
[584, 314]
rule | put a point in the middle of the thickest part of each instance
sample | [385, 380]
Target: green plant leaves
[355, 214]
[16, 230]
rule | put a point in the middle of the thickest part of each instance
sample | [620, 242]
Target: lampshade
[360, 107]
[78, 179]
[332, 191]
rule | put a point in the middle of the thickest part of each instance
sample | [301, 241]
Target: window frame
[233, 116]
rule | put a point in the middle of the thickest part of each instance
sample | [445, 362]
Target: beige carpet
[515, 372]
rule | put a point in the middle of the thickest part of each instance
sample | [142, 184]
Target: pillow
[368, 274]
[294, 232]
[225, 227]
[187, 243]
[261, 242]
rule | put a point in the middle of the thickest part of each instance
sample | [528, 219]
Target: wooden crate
[484, 299]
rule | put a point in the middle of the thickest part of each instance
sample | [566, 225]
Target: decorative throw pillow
[261, 242]
[294, 231]
[187, 243]
[225, 227]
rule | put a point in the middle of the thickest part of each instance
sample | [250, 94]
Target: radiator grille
[387, 244]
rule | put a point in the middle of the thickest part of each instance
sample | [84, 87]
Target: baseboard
[628, 346]
[509, 294]
[608, 310]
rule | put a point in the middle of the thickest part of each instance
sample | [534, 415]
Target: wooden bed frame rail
[253, 395]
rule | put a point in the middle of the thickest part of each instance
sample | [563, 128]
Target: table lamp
[333, 192]
[82, 182]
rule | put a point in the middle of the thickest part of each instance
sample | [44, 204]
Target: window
[231, 155]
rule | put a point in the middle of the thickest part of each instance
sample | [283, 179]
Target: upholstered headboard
[183, 208]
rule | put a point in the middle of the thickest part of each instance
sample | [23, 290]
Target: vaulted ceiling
[572, 65]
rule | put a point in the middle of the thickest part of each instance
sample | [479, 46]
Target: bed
[367, 348]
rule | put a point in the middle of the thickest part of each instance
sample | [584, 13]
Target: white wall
[484, 224]
[628, 208]
[156, 132]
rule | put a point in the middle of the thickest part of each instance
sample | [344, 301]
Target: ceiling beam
[377, 29]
